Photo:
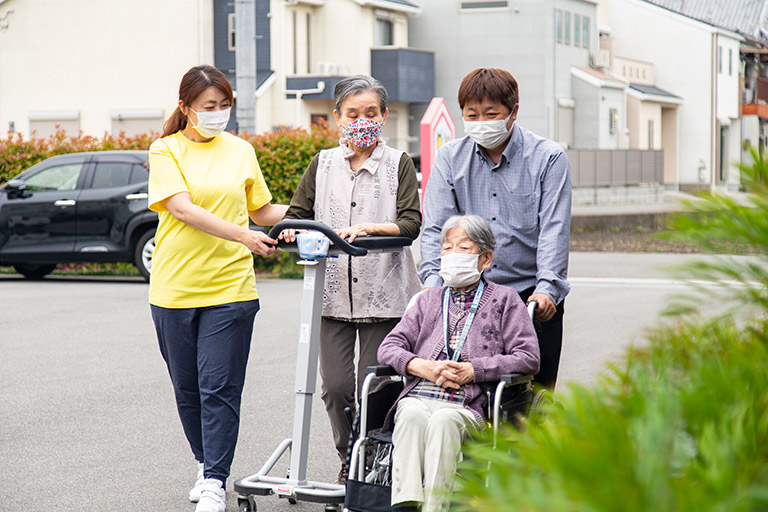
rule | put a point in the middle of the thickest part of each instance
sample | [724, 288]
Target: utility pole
[245, 64]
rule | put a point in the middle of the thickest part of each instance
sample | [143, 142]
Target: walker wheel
[292, 501]
[244, 505]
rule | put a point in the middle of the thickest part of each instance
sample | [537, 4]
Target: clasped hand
[447, 374]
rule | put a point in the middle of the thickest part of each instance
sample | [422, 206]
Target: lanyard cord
[467, 323]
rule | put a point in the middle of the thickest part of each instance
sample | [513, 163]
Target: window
[567, 28]
[576, 31]
[613, 120]
[318, 119]
[309, 43]
[650, 134]
[484, 4]
[60, 177]
[231, 32]
[111, 174]
[719, 59]
[295, 44]
[730, 61]
[584, 32]
[383, 35]
[559, 25]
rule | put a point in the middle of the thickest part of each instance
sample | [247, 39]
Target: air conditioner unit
[327, 68]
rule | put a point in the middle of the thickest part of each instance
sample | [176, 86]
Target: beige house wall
[62, 56]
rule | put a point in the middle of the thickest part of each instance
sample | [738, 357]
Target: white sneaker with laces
[194, 494]
[212, 497]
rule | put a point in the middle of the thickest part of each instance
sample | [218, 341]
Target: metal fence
[605, 168]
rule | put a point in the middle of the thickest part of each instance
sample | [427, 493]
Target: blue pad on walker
[313, 245]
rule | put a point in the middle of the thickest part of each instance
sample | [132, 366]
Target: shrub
[283, 156]
[682, 424]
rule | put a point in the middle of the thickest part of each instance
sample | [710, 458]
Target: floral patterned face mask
[363, 132]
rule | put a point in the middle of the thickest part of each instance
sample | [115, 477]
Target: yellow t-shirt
[190, 268]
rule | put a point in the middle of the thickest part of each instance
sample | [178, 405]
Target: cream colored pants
[427, 442]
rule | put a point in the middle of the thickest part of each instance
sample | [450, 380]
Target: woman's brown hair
[489, 84]
[194, 82]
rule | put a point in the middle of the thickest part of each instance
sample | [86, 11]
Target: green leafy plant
[682, 423]
[283, 156]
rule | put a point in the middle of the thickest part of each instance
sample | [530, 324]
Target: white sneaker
[194, 494]
[212, 497]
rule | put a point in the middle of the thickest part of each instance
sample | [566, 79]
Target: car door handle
[65, 202]
[139, 195]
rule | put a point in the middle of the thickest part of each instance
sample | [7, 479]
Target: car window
[139, 174]
[111, 174]
[60, 177]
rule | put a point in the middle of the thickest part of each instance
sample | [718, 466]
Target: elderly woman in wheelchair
[484, 332]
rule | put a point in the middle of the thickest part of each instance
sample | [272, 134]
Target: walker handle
[315, 225]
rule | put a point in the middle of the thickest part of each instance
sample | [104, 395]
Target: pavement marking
[659, 283]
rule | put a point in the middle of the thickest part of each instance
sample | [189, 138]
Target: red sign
[437, 128]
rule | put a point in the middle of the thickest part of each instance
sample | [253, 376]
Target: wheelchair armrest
[380, 370]
[515, 378]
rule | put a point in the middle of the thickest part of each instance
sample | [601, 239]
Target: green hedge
[283, 155]
[682, 424]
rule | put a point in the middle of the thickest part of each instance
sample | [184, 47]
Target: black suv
[80, 207]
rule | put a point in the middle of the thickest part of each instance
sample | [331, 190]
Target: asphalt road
[87, 415]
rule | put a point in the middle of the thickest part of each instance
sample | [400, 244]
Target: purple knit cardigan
[501, 340]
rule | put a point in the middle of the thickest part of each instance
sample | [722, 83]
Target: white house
[97, 66]
[697, 65]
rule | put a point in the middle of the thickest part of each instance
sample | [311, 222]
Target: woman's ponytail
[175, 123]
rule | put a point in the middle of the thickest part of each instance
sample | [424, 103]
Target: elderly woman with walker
[361, 187]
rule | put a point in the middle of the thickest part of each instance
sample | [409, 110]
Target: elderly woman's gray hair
[477, 230]
[355, 85]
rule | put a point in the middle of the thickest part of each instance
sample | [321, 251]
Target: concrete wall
[586, 111]
[684, 53]
[61, 55]
[639, 113]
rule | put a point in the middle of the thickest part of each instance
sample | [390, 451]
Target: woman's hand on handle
[259, 243]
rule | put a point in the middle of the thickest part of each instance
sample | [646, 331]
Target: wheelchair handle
[532, 305]
[315, 225]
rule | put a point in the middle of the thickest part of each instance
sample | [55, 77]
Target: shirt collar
[372, 164]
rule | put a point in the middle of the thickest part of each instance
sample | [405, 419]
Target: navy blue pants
[206, 350]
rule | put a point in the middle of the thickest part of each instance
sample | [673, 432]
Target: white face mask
[210, 124]
[459, 269]
[489, 134]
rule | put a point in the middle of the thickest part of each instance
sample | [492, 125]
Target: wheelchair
[369, 477]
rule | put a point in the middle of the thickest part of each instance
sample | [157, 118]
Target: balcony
[408, 74]
[755, 97]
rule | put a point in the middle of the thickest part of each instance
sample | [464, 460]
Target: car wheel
[142, 255]
[34, 271]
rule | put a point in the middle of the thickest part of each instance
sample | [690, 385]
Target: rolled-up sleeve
[555, 226]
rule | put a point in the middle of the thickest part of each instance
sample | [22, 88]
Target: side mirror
[15, 189]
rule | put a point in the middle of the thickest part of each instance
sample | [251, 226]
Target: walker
[314, 251]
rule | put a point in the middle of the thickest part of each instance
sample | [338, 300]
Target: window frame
[231, 32]
[478, 5]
